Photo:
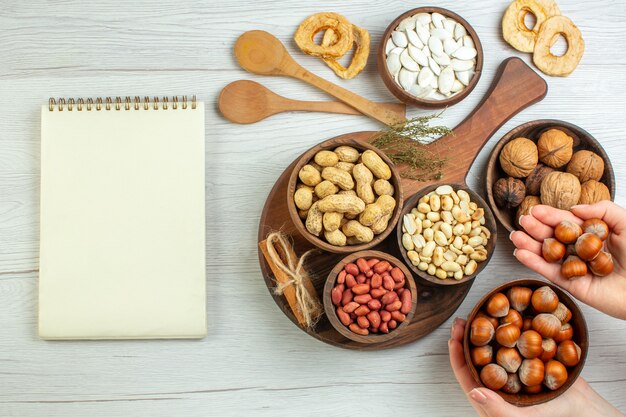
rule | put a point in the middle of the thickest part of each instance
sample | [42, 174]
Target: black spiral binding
[118, 104]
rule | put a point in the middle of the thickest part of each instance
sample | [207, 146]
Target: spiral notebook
[122, 252]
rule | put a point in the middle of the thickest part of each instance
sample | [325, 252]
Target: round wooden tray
[515, 87]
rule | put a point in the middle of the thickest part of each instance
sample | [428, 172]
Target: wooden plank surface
[254, 361]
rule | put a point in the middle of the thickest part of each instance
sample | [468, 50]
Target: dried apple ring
[564, 65]
[359, 60]
[514, 29]
[305, 35]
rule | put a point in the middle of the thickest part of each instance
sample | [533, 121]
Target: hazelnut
[524, 209]
[593, 191]
[586, 165]
[560, 190]
[509, 192]
[555, 148]
[534, 179]
[519, 157]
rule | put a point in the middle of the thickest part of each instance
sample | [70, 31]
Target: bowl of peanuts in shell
[344, 195]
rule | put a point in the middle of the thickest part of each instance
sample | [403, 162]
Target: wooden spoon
[259, 52]
[247, 101]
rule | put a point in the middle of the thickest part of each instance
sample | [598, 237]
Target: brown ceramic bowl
[405, 96]
[329, 308]
[490, 223]
[581, 338]
[308, 157]
[532, 130]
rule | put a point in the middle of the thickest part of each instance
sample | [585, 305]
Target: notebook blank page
[122, 224]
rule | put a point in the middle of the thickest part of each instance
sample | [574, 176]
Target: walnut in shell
[560, 190]
[509, 192]
[593, 191]
[519, 157]
[586, 165]
[524, 209]
[555, 148]
[534, 179]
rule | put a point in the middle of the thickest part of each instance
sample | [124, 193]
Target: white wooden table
[254, 361]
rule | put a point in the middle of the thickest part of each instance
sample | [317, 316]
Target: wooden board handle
[515, 87]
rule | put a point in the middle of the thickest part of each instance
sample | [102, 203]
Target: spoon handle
[369, 108]
[399, 109]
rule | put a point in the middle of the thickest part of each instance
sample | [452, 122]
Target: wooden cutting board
[515, 87]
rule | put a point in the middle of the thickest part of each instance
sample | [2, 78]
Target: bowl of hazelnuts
[547, 162]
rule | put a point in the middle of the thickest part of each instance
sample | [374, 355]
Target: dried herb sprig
[406, 143]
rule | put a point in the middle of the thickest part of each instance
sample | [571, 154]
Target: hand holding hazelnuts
[585, 251]
[520, 341]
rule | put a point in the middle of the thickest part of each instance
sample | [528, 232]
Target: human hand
[603, 293]
[579, 400]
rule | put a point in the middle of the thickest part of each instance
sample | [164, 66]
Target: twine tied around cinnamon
[307, 303]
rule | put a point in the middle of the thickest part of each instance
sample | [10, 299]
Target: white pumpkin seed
[426, 51]
[457, 86]
[446, 80]
[438, 19]
[407, 23]
[443, 60]
[435, 45]
[465, 53]
[434, 84]
[435, 68]
[399, 38]
[468, 41]
[389, 46]
[449, 26]
[423, 34]
[393, 63]
[461, 65]
[440, 34]
[407, 78]
[423, 18]
[420, 92]
[414, 39]
[408, 62]
[418, 56]
[459, 31]
[425, 77]
[449, 46]
[463, 77]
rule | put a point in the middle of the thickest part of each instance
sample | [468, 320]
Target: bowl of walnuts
[549, 162]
